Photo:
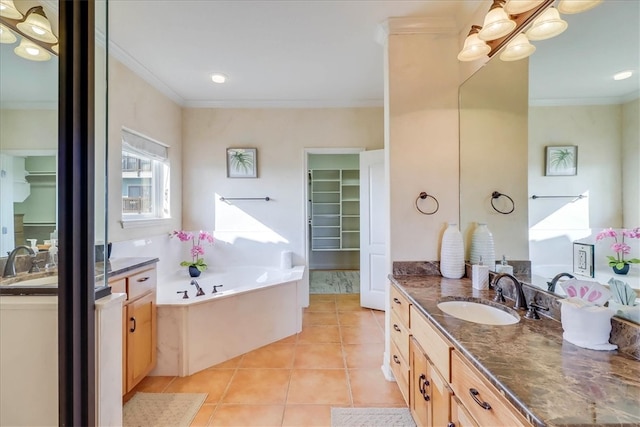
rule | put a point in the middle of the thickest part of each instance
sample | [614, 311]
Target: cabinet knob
[396, 359]
[396, 327]
[397, 301]
[143, 279]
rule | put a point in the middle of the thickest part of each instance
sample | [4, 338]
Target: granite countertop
[117, 266]
[550, 381]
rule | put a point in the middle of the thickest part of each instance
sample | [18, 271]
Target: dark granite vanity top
[550, 381]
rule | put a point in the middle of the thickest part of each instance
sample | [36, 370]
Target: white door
[373, 226]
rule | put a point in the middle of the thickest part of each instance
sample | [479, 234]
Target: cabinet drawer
[459, 416]
[400, 305]
[465, 379]
[435, 345]
[400, 369]
[399, 335]
[141, 283]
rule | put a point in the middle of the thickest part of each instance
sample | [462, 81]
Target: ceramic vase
[452, 253]
[193, 271]
[623, 270]
[482, 246]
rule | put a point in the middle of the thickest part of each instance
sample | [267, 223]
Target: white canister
[286, 260]
[452, 253]
[482, 246]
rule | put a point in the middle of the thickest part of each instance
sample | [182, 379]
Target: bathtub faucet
[215, 289]
[200, 292]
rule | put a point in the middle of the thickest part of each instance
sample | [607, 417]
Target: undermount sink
[40, 281]
[479, 311]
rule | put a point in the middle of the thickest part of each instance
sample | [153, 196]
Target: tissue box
[587, 326]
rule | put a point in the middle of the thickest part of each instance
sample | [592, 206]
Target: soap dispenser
[34, 246]
[53, 254]
[503, 267]
[480, 275]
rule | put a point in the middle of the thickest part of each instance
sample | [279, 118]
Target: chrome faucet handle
[215, 288]
[499, 296]
[184, 294]
[532, 313]
[35, 268]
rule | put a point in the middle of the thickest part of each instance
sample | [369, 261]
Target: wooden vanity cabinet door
[141, 338]
[440, 394]
[420, 386]
[459, 416]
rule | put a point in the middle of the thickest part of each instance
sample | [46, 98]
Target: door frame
[304, 297]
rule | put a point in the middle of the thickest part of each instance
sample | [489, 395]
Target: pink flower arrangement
[197, 247]
[620, 248]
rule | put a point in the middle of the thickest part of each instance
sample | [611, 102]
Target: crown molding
[414, 25]
[145, 74]
[287, 103]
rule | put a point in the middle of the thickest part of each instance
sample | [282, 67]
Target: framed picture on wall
[561, 160]
[583, 259]
[242, 162]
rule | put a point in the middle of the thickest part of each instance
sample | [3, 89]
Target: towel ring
[496, 195]
[423, 196]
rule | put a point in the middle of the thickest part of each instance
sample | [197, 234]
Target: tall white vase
[482, 246]
[452, 253]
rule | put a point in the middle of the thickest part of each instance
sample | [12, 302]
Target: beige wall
[422, 141]
[259, 230]
[29, 129]
[631, 164]
[136, 105]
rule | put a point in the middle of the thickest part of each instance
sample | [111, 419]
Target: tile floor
[334, 361]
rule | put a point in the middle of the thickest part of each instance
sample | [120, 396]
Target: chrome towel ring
[423, 196]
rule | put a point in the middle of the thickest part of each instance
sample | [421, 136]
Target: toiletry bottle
[34, 246]
[480, 275]
[503, 267]
[53, 254]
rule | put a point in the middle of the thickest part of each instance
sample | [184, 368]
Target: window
[145, 178]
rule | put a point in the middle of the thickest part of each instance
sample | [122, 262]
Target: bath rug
[334, 281]
[162, 409]
[371, 417]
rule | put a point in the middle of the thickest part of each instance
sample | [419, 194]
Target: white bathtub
[254, 307]
[541, 274]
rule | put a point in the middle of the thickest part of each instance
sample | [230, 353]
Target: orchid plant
[620, 247]
[197, 247]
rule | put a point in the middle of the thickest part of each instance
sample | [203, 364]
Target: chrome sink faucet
[520, 302]
[10, 266]
[551, 286]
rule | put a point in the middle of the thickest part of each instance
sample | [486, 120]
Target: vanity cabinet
[399, 329]
[139, 324]
[440, 386]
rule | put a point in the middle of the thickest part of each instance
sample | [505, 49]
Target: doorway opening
[333, 220]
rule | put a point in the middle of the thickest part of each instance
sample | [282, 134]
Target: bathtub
[255, 306]
[541, 274]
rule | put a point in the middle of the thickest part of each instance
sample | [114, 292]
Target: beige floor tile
[153, 384]
[368, 386]
[229, 364]
[204, 415]
[319, 334]
[319, 386]
[214, 382]
[292, 339]
[319, 356]
[357, 318]
[364, 355]
[350, 304]
[321, 305]
[248, 415]
[263, 386]
[319, 318]
[271, 356]
[307, 415]
[361, 335]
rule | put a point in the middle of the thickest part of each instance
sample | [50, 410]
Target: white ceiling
[313, 53]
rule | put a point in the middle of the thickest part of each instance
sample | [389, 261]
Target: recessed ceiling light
[622, 75]
[218, 78]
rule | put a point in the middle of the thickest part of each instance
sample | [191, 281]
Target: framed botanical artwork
[561, 160]
[583, 259]
[242, 162]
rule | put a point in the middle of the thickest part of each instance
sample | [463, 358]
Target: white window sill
[139, 223]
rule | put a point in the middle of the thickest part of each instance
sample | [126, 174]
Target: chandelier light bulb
[515, 7]
[576, 6]
[518, 48]
[28, 50]
[9, 10]
[496, 23]
[473, 48]
[37, 25]
[547, 25]
[6, 36]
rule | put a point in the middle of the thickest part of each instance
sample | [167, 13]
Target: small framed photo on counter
[583, 259]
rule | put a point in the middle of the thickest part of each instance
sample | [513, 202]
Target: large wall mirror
[515, 115]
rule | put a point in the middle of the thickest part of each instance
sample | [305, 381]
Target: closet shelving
[335, 209]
